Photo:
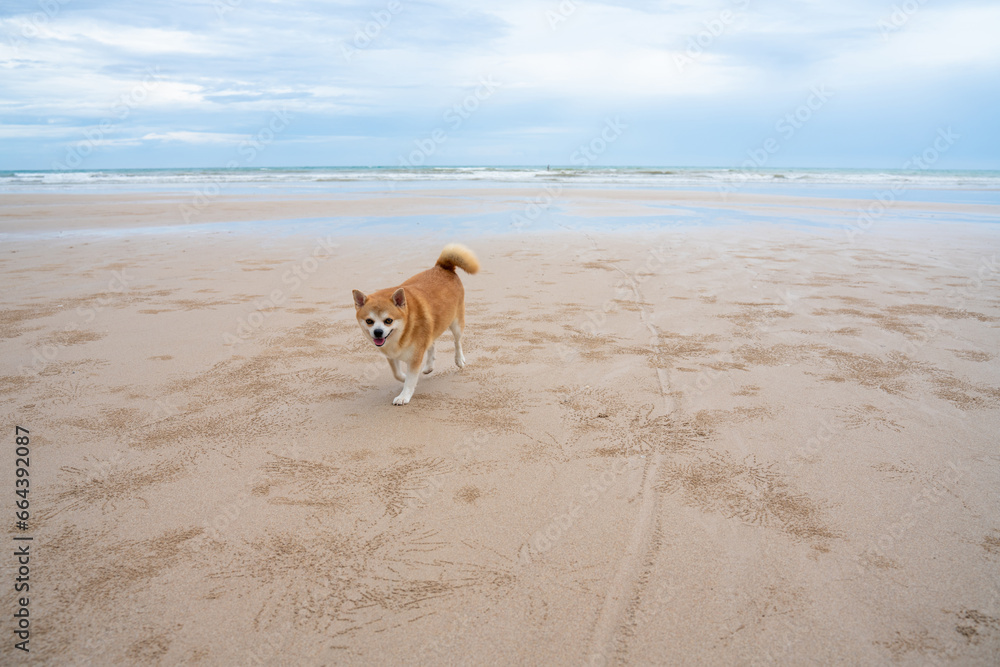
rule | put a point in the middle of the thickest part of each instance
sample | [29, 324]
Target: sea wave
[595, 176]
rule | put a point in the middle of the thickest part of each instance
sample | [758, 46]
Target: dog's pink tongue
[379, 341]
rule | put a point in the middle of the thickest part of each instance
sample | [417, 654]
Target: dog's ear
[359, 299]
[399, 298]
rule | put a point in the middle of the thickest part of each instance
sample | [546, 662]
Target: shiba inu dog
[403, 322]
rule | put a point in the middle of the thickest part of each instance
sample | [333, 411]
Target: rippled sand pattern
[775, 448]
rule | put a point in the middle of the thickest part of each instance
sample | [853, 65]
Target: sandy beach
[674, 441]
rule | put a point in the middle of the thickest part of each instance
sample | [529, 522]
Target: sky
[729, 83]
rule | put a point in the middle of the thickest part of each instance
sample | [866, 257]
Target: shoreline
[36, 213]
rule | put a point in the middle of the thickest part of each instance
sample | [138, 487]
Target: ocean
[978, 187]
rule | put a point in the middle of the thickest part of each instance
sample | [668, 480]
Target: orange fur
[457, 255]
[415, 314]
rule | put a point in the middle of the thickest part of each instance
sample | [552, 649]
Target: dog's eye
[369, 321]
[388, 321]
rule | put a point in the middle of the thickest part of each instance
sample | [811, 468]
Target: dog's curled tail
[458, 255]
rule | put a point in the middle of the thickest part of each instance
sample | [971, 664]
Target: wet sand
[523, 208]
[698, 445]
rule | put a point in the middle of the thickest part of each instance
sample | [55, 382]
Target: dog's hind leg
[429, 359]
[456, 331]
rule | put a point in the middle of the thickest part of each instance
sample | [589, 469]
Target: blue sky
[252, 83]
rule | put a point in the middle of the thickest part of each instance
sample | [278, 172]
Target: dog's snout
[377, 333]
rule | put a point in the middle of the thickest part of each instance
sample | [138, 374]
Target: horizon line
[547, 167]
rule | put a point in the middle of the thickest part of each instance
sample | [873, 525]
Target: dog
[403, 322]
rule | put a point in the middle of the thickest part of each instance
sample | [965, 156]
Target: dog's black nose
[377, 333]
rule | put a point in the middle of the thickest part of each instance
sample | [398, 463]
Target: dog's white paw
[460, 361]
[400, 400]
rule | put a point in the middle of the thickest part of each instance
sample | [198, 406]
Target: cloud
[186, 137]
[194, 73]
[126, 39]
[34, 131]
[929, 41]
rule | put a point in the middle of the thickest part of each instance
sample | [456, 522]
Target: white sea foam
[610, 176]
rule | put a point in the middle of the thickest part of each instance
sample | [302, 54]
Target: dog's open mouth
[381, 341]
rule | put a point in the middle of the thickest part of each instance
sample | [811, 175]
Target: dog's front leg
[396, 371]
[413, 368]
